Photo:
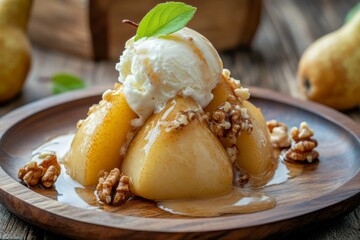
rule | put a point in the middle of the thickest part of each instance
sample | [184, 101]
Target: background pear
[329, 70]
[15, 53]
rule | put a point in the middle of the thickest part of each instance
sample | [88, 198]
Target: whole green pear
[15, 50]
[329, 70]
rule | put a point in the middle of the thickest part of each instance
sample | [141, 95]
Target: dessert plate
[323, 190]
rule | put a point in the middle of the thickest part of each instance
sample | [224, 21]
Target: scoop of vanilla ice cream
[155, 69]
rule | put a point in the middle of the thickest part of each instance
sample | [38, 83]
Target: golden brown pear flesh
[185, 163]
[97, 143]
[15, 50]
[329, 70]
[256, 154]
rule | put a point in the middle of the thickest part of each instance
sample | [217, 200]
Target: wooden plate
[324, 190]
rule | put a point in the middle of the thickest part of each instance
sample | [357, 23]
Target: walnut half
[45, 173]
[113, 188]
[302, 148]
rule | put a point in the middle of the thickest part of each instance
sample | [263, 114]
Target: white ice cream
[153, 70]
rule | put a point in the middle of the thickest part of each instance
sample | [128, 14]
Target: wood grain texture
[62, 25]
[286, 29]
[98, 23]
[324, 189]
[227, 24]
[93, 28]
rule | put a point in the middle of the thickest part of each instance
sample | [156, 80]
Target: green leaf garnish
[164, 19]
[352, 12]
[64, 82]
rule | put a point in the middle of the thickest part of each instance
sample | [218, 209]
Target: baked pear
[255, 152]
[174, 155]
[100, 137]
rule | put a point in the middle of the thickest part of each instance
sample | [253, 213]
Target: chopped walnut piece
[218, 115]
[229, 120]
[303, 145]
[44, 173]
[232, 152]
[226, 73]
[182, 119]
[205, 117]
[113, 188]
[227, 107]
[240, 92]
[240, 177]
[243, 179]
[303, 133]
[278, 134]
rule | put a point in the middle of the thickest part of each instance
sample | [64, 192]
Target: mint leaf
[352, 12]
[64, 82]
[164, 19]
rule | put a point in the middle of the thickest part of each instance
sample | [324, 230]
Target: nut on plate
[278, 134]
[45, 173]
[113, 188]
[303, 145]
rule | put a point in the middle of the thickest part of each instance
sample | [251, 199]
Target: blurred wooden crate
[93, 28]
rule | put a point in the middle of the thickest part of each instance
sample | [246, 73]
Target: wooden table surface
[287, 28]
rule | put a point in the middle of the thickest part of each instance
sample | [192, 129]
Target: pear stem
[131, 23]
